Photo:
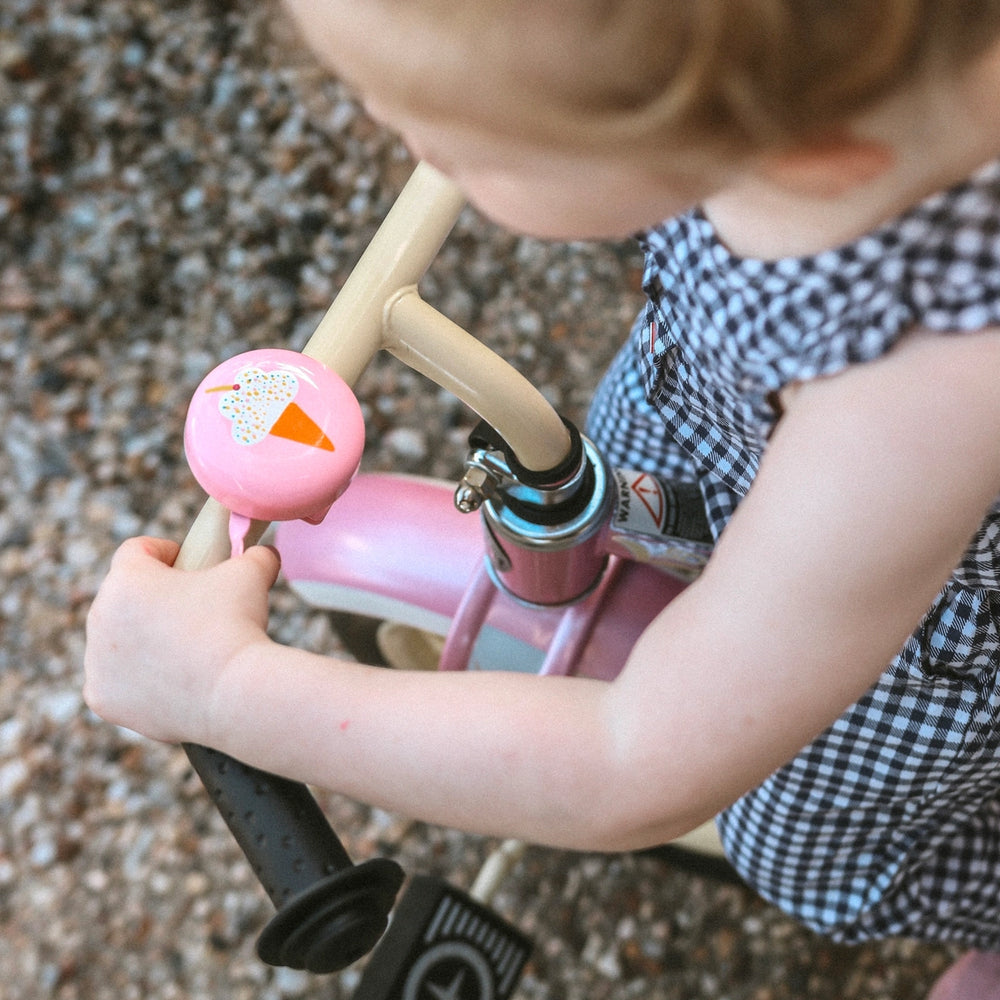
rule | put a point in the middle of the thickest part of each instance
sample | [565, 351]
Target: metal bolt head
[473, 489]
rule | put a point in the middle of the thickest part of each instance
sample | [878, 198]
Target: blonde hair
[767, 72]
[732, 75]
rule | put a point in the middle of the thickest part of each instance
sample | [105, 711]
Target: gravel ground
[178, 182]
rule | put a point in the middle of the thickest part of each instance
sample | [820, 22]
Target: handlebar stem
[433, 345]
[549, 554]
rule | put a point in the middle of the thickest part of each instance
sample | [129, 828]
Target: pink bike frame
[395, 547]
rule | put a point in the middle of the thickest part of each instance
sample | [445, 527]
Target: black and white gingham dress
[889, 822]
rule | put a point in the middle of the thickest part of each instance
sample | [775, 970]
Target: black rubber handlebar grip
[330, 911]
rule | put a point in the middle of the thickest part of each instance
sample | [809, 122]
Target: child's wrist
[229, 714]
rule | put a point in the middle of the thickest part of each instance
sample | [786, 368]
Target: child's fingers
[134, 549]
[265, 560]
[134, 557]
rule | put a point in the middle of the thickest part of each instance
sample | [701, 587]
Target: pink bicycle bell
[274, 435]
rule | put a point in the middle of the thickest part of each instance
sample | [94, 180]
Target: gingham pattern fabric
[889, 822]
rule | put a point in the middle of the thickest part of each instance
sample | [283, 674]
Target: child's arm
[872, 485]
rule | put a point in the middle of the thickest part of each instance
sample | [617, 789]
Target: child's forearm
[183, 656]
[498, 753]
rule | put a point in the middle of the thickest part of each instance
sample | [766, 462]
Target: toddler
[820, 352]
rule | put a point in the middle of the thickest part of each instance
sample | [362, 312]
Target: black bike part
[557, 513]
[443, 943]
[685, 515]
[334, 922]
[485, 436]
[330, 912]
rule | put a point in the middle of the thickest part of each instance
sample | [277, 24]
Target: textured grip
[330, 911]
[277, 823]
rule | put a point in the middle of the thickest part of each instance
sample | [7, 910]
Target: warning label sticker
[642, 505]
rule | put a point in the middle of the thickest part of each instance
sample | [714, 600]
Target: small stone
[407, 443]
[14, 777]
[96, 880]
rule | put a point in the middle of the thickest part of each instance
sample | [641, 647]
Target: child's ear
[829, 168]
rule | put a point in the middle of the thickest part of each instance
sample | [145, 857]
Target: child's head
[685, 88]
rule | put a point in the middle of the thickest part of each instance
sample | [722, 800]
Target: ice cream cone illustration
[260, 435]
[261, 402]
[295, 424]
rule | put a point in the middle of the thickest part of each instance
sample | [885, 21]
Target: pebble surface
[179, 182]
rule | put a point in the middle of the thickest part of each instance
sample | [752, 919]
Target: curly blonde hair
[734, 75]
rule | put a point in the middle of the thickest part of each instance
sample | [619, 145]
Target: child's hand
[159, 639]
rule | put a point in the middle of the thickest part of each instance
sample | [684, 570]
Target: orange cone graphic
[295, 424]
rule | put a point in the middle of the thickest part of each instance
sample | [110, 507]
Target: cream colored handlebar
[379, 308]
[353, 329]
[433, 345]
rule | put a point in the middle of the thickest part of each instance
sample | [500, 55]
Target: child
[821, 351]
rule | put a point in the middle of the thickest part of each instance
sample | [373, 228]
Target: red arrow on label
[648, 490]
